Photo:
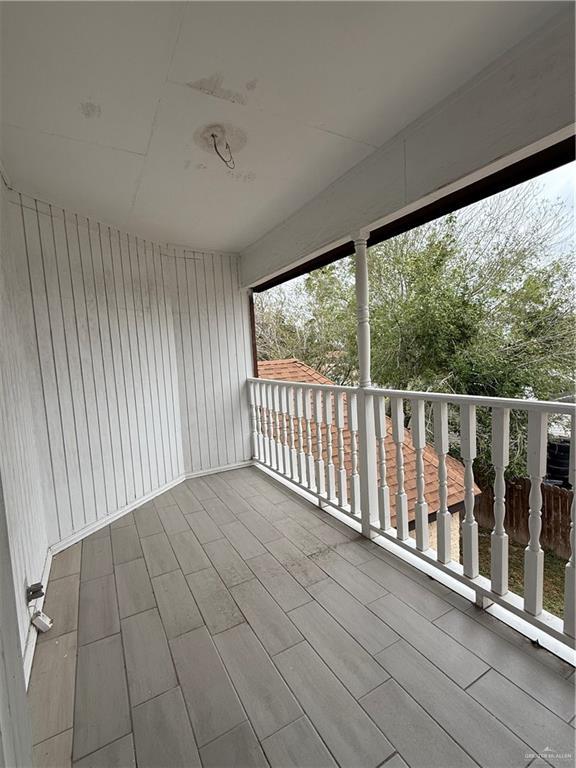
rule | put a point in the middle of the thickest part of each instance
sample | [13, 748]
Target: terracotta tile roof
[295, 370]
[290, 369]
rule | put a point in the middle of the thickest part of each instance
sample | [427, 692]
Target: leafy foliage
[479, 302]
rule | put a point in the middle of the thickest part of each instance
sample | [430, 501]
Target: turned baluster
[301, 453]
[418, 429]
[291, 395]
[319, 464]
[354, 476]
[383, 488]
[397, 410]
[284, 392]
[499, 537]
[570, 570]
[340, 425]
[533, 554]
[469, 524]
[330, 471]
[443, 518]
[278, 447]
[309, 445]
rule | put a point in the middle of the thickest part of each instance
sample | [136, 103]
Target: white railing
[309, 434]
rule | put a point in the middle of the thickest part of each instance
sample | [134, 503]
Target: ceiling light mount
[222, 140]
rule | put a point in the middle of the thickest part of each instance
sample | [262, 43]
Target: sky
[561, 183]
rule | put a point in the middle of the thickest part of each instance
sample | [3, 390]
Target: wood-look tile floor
[231, 623]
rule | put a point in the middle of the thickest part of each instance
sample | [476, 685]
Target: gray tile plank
[268, 509]
[189, 552]
[301, 512]
[96, 558]
[148, 661]
[164, 500]
[125, 544]
[238, 482]
[395, 762]
[523, 643]
[330, 535]
[147, 521]
[244, 542]
[204, 527]
[357, 620]
[186, 499]
[238, 748]
[282, 586]
[55, 752]
[100, 533]
[304, 570]
[218, 511]
[235, 503]
[270, 489]
[550, 689]
[51, 689]
[417, 737]
[61, 604]
[300, 536]
[212, 703]
[101, 712]
[525, 716]
[228, 562]
[134, 588]
[158, 553]
[126, 519]
[274, 629]
[452, 658]
[346, 729]
[178, 609]
[351, 664]
[67, 562]
[263, 692]
[173, 520]
[348, 576]
[354, 552]
[297, 746]
[98, 615]
[119, 754]
[418, 597]
[216, 604]
[477, 731]
[259, 526]
[199, 488]
[162, 733]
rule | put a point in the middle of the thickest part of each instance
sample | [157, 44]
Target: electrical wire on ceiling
[228, 161]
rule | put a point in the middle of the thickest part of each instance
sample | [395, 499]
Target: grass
[553, 572]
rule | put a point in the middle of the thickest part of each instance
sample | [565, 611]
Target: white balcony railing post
[533, 554]
[366, 426]
[383, 488]
[253, 420]
[330, 471]
[443, 518]
[291, 395]
[319, 464]
[499, 537]
[309, 445]
[418, 428]
[397, 408]
[469, 525]
[570, 570]
[340, 425]
[301, 454]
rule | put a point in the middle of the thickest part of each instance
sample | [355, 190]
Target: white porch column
[366, 424]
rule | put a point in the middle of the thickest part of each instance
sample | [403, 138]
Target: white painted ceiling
[101, 100]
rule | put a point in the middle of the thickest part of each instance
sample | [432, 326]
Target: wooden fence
[556, 503]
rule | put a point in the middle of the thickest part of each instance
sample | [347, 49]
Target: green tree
[479, 302]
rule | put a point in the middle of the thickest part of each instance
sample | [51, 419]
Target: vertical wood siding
[141, 353]
[25, 466]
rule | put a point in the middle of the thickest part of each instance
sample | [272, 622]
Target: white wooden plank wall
[142, 355]
[214, 358]
[24, 465]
